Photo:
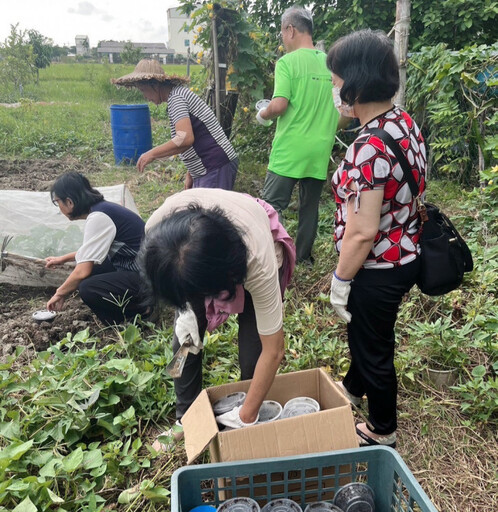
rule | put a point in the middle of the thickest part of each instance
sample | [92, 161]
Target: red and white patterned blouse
[370, 165]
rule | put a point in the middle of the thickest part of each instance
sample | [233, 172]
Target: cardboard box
[332, 428]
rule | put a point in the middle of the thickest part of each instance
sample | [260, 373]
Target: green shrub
[70, 421]
[456, 108]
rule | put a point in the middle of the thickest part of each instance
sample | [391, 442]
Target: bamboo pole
[216, 69]
[401, 33]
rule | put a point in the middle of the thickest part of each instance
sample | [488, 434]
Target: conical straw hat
[148, 70]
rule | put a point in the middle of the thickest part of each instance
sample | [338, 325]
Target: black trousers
[113, 295]
[373, 303]
[189, 385]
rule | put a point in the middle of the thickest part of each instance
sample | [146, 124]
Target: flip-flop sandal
[355, 400]
[366, 440]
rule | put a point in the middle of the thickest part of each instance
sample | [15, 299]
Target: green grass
[89, 457]
[67, 113]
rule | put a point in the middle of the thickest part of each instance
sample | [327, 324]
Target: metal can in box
[299, 406]
[269, 411]
[229, 402]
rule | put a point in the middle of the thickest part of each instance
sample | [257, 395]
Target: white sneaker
[174, 435]
[355, 400]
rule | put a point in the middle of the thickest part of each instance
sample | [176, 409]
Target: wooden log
[26, 271]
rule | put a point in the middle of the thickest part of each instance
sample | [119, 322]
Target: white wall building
[82, 45]
[179, 39]
[110, 49]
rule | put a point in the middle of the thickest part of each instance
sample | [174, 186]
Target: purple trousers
[223, 177]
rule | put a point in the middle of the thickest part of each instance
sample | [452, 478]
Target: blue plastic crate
[303, 478]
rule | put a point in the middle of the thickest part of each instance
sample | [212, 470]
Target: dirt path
[38, 174]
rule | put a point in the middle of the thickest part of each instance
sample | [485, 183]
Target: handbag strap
[405, 166]
[394, 146]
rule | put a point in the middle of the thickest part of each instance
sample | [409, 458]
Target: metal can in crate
[304, 479]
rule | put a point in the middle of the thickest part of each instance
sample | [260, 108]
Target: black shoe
[308, 262]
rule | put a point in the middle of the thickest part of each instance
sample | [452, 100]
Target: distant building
[179, 38]
[82, 45]
[149, 50]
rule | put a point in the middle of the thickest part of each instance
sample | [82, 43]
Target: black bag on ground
[445, 256]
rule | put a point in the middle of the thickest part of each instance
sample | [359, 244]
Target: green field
[77, 421]
[67, 112]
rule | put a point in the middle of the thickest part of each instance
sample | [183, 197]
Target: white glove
[232, 419]
[260, 120]
[339, 293]
[186, 323]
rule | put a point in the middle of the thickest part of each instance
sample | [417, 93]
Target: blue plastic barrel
[131, 132]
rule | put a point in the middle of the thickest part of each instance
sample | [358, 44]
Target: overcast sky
[61, 20]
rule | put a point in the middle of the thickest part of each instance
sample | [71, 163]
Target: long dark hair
[73, 185]
[193, 253]
[366, 62]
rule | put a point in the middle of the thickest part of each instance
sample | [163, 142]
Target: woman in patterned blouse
[376, 224]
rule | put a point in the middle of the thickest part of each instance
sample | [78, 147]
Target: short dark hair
[193, 253]
[366, 62]
[299, 17]
[73, 185]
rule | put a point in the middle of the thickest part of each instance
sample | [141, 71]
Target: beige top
[264, 257]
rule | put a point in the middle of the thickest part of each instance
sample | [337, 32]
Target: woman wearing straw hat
[196, 134]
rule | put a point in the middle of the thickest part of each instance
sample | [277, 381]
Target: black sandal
[389, 440]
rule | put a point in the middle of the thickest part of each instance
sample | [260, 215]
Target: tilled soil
[37, 175]
[18, 303]
[17, 327]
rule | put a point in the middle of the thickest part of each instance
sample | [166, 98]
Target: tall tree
[457, 23]
[130, 53]
[43, 48]
[17, 65]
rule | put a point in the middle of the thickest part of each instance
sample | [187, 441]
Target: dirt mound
[17, 327]
[37, 175]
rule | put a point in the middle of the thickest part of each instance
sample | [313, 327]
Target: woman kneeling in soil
[106, 274]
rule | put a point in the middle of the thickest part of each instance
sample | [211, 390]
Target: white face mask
[343, 108]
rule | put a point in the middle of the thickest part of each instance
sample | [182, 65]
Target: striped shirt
[211, 149]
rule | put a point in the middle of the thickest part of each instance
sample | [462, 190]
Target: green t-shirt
[306, 131]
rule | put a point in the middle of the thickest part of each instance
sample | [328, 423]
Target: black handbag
[445, 256]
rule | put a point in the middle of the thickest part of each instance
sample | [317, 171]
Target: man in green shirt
[306, 125]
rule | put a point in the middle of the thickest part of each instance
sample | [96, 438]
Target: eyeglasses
[280, 35]
[55, 202]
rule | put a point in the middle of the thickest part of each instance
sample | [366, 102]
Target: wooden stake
[216, 69]
[401, 33]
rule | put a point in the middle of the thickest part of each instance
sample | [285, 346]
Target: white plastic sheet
[39, 228]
